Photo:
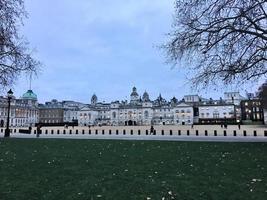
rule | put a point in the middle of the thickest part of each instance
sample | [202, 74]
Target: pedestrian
[151, 130]
[38, 131]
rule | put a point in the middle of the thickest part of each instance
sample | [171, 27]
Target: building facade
[24, 111]
[252, 111]
[70, 110]
[262, 95]
[140, 110]
[51, 112]
[217, 112]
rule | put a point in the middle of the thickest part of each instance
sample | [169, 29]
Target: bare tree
[15, 57]
[223, 40]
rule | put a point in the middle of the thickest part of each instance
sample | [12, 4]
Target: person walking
[38, 130]
[151, 130]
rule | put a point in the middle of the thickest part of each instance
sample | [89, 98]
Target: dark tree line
[15, 56]
[222, 40]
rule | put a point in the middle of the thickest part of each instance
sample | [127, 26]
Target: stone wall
[195, 131]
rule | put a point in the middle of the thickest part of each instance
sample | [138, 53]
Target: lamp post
[9, 97]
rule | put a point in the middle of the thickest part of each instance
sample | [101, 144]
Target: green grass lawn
[123, 170]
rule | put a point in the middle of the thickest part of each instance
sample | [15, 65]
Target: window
[146, 114]
[216, 114]
[114, 114]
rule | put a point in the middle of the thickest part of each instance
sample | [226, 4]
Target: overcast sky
[103, 47]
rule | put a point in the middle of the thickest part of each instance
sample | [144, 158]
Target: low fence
[199, 130]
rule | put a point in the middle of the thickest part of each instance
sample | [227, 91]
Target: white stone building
[233, 98]
[87, 116]
[71, 108]
[192, 98]
[183, 114]
[23, 111]
[217, 112]
[138, 111]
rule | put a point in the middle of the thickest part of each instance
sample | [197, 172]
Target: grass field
[123, 170]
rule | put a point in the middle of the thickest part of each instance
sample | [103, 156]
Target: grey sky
[103, 47]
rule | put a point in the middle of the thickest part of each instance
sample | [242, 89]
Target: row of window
[215, 114]
[216, 108]
[183, 111]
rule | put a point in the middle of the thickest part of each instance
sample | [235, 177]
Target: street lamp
[9, 97]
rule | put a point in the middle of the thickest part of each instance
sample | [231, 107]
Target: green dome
[29, 95]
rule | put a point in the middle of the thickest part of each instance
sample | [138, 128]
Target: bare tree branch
[15, 57]
[224, 40]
